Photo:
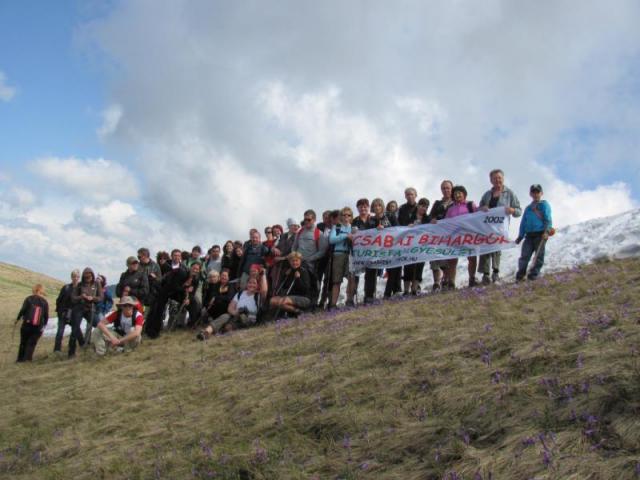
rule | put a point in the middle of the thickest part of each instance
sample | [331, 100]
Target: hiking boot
[485, 279]
[473, 282]
[368, 300]
[495, 276]
[436, 287]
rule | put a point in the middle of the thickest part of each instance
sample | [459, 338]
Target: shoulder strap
[470, 207]
[536, 211]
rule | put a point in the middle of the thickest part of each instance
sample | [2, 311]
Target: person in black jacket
[438, 212]
[172, 287]
[133, 282]
[35, 315]
[63, 308]
[379, 220]
[413, 272]
[294, 293]
[407, 216]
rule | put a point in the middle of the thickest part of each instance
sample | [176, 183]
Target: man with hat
[133, 281]
[127, 324]
[535, 228]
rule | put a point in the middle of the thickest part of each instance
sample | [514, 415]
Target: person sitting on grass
[293, 294]
[243, 309]
[127, 324]
[35, 315]
[534, 229]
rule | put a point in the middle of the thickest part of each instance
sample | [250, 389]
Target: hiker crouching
[294, 293]
[127, 324]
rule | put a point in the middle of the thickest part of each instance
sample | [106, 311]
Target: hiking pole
[87, 337]
[542, 243]
[275, 317]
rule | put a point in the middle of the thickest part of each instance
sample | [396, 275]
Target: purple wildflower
[486, 358]
[528, 442]
[477, 475]
[580, 361]
[346, 442]
[546, 458]
[260, 454]
[496, 377]
[206, 449]
[487, 327]
[437, 455]
[584, 334]
[364, 466]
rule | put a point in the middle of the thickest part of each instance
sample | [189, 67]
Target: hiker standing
[379, 221]
[63, 308]
[361, 222]
[35, 315]
[340, 238]
[438, 212]
[498, 196]
[133, 281]
[459, 207]
[85, 296]
[534, 229]
[413, 272]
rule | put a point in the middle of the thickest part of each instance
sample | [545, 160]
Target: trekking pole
[275, 317]
[542, 243]
[87, 336]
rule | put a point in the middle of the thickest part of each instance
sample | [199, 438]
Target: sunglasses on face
[308, 219]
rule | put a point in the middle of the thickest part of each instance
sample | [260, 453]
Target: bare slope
[537, 380]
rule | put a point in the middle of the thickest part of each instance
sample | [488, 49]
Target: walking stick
[275, 316]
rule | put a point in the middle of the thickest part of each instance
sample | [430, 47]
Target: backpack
[34, 316]
[316, 236]
[117, 325]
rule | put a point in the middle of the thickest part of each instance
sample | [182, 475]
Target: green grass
[537, 380]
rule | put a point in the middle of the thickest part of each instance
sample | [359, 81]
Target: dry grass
[522, 381]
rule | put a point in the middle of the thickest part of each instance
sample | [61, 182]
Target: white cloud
[97, 179]
[111, 117]
[6, 92]
[253, 114]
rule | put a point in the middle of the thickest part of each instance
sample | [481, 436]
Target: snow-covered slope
[611, 237]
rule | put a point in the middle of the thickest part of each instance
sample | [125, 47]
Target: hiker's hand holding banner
[463, 236]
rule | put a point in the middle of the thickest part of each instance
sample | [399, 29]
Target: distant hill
[16, 283]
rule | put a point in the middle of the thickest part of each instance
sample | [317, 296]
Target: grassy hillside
[16, 283]
[537, 380]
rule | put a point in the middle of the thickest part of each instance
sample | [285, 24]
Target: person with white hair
[63, 308]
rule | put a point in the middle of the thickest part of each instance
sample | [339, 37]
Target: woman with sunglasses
[340, 240]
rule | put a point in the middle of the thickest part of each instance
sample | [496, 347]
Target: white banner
[463, 236]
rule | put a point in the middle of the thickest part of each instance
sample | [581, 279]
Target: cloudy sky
[174, 123]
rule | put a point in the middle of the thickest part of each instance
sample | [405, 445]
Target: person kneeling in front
[127, 324]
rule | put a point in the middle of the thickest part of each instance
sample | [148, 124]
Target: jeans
[78, 312]
[529, 247]
[62, 323]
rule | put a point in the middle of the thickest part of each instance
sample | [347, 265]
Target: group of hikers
[298, 269]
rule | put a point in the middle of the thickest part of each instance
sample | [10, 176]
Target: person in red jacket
[127, 324]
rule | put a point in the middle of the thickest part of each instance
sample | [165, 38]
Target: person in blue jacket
[534, 229]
